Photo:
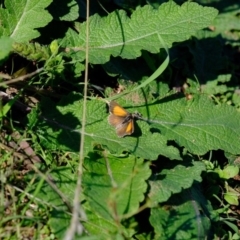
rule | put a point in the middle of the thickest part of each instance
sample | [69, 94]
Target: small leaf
[6, 108]
[230, 172]
[54, 47]
[231, 198]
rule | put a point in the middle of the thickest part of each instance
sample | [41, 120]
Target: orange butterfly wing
[126, 128]
[121, 119]
[115, 121]
[117, 110]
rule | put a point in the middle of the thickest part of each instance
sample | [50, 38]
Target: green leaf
[21, 17]
[63, 126]
[184, 217]
[6, 108]
[231, 198]
[5, 48]
[119, 35]
[233, 159]
[230, 171]
[143, 236]
[230, 30]
[103, 228]
[59, 222]
[115, 186]
[234, 227]
[173, 180]
[32, 51]
[197, 124]
[59, 217]
[215, 87]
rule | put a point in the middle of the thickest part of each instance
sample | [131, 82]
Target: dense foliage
[176, 63]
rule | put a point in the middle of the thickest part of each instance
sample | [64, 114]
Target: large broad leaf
[196, 124]
[115, 186]
[63, 127]
[21, 18]
[184, 217]
[107, 183]
[119, 35]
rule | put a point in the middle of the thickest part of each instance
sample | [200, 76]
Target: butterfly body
[121, 119]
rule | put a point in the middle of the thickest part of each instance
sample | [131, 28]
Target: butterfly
[121, 119]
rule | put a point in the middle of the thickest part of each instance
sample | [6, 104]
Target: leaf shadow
[59, 128]
[177, 209]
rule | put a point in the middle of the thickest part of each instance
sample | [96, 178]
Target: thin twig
[21, 78]
[15, 153]
[5, 76]
[78, 211]
[53, 186]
